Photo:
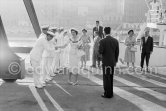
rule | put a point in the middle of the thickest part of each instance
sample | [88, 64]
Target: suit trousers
[108, 73]
[143, 56]
[95, 59]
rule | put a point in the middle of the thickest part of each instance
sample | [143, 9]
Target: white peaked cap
[53, 28]
[50, 33]
[45, 26]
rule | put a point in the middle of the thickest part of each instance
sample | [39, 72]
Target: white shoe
[44, 84]
[70, 82]
[48, 79]
[53, 75]
[75, 83]
[39, 86]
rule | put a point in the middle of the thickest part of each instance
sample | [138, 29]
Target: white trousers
[62, 59]
[37, 69]
[56, 61]
[47, 68]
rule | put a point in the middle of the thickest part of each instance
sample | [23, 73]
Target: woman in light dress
[74, 56]
[130, 42]
[85, 47]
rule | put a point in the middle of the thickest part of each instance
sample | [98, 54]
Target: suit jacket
[100, 31]
[96, 44]
[109, 48]
[148, 45]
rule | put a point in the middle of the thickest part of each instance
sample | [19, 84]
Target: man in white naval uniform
[61, 40]
[36, 58]
[56, 53]
[58, 59]
[53, 29]
[44, 28]
[47, 58]
[66, 50]
[64, 53]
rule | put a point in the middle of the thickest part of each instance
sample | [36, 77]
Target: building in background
[72, 13]
[134, 11]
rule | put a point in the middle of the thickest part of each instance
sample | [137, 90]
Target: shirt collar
[107, 35]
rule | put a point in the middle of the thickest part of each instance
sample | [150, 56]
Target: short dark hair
[107, 30]
[84, 30]
[74, 31]
[50, 35]
[130, 31]
[97, 21]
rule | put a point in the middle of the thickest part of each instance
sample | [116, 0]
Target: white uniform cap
[50, 33]
[45, 27]
[61, 28]
[52, 28]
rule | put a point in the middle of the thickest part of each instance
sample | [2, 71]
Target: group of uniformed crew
[56, 49]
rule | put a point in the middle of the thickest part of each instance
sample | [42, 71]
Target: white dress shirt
[146, 38]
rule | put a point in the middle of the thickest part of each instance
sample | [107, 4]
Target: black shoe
[93, 66]
[99, 66]
[147, 70]
[106, 96]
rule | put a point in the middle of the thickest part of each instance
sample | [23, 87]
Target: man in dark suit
[109, 48]
[96, 57]
[147, 48]
[98, 29]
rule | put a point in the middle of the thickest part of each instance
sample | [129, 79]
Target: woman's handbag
[133, 49]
